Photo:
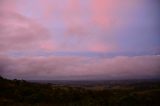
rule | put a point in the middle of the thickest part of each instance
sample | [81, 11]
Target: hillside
[23, 93]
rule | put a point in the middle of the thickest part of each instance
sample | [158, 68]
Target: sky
[79, 39]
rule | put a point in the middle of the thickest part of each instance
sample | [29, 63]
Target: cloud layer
[71, 67]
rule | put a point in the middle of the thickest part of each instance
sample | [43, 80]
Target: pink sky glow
[79, 39]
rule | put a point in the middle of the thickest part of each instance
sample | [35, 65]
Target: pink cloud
[48, 7]
[20, 33]
[101, 15]
[53, 67]
[77, 23]
[8, 5]
[48, 46]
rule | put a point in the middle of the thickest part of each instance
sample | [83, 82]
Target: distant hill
[23, 93]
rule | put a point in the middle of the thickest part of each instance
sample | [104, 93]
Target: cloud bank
[70, 67]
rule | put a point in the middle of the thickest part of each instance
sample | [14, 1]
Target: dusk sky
[79, 39]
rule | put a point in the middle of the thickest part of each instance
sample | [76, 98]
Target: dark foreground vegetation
[22, 93]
